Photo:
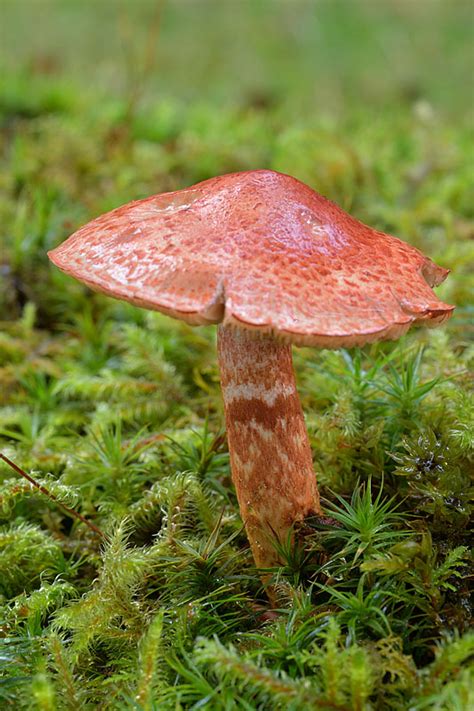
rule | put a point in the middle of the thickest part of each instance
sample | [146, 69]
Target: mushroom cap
[258, 250]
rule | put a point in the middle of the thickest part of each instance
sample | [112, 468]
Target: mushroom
[274, 264]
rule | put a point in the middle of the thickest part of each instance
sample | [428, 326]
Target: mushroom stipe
[274, 264]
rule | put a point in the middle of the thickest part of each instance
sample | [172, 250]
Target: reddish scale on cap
[259, 250]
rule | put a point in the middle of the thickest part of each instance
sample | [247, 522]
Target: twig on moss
[51, 496]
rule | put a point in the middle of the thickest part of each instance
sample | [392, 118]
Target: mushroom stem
[270, 455]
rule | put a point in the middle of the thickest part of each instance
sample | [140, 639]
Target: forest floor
[117, 411]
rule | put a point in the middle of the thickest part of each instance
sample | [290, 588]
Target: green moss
[28, 554]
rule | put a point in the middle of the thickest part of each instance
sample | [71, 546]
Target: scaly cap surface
[259, 250]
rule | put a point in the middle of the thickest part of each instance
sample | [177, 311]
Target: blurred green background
[308, 55]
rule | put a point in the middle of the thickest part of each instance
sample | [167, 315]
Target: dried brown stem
[51, 496]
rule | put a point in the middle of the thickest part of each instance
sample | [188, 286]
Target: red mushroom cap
[263, 251]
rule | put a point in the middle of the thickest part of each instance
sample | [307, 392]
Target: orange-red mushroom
[273, 263]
